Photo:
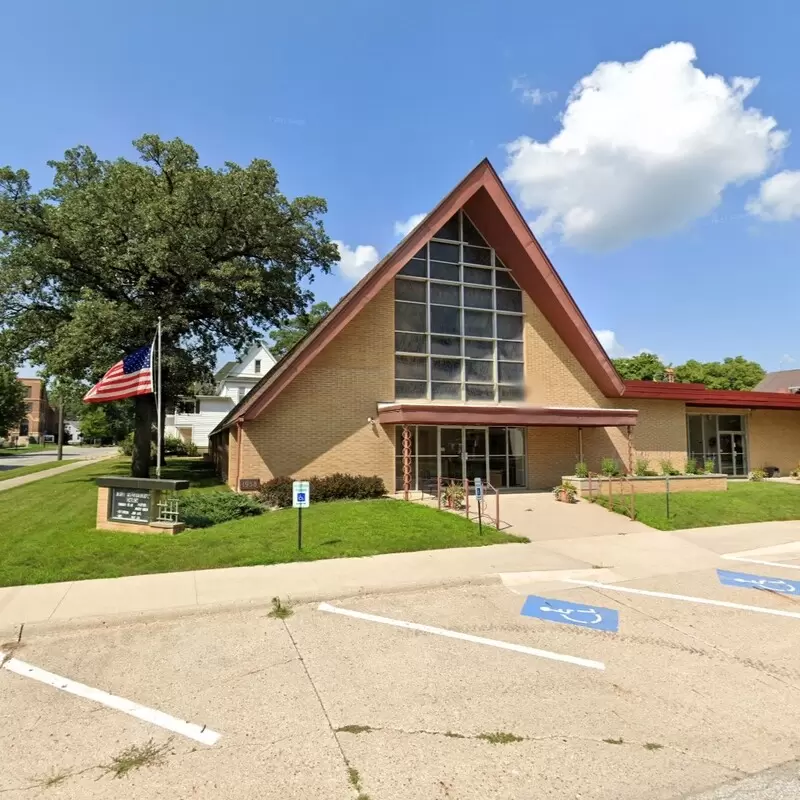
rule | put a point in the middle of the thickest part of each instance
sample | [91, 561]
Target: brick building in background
[40, 418]
[465, 342]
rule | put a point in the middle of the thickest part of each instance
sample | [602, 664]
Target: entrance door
[476, 452]
[451, 447]
[731, 453]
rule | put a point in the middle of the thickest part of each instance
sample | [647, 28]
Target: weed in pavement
[137, 756]
[279, 610]
[499, 737]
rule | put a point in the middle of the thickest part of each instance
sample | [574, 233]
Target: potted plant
[454, 495]
[565, 492]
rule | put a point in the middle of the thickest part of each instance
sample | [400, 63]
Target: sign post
[479, 500]
[301, 498]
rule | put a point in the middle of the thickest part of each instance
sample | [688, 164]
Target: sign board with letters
[249, 484]
[131, 505]
[301, 494]
[478, 482]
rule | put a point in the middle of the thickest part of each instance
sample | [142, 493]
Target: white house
[195, 417]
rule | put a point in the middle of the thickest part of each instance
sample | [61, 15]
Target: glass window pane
[445, 272]
[504, 280]
[446, 369]
[451, 441]
[445, 294]
[512, 394]
[398, 474]
[730, 422]
[410, 343]
[445, 319]
[409, 290]
[427, 474]
[410, 390]
[509, 373]
[478, 275]
[509, 351]
[410, 317]
[445, 252]
[497, 471]
[398, 439]
[509, 300]
[479, 391]
[509, 327]
[411, 367]
[516, 441]
[497, 441]
[475, 440]
[516, 472]
[480, 371]
[477, 255]
[479, 323]
[471, 234]
[446, 391]
[446, 345]
[449, 230]
[478, 348]
[426, 440]
[478, 298]
[415, 267]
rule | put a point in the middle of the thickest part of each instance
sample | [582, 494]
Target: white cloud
[644, 148]
[778, 198]
[610, 343]
[356, 263]
[786, 360]
[403, 228]
[530, 94]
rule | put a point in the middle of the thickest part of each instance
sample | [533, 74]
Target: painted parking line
[759, 561]
[744, 580]
[553, 610]
[200, 733]
[467, 637]
[687, 598]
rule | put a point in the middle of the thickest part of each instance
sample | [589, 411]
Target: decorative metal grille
[168, 509]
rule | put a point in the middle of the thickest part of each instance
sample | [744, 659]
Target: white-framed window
[257, 366]
[187, 406]
[458, 321]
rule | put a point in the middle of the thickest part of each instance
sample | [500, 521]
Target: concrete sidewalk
[72, 463]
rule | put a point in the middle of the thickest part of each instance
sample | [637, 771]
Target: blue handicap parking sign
[301, 497]
[744, 580]
[553, 610]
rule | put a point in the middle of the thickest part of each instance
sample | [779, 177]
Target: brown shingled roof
[779, 381]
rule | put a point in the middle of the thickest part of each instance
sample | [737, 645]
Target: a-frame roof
[482, 195]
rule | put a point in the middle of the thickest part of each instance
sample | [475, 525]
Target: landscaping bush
[708, 467]
[203, 509]
[642, 468]
[691, 467]
[339, 486]
[581, 470]
[757, 475]
[667, 468]
[175, 446]
[609, 467]
[126, 447]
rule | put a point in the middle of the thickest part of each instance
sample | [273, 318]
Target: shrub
[757, 475]
[202, 509]
[126, 447]
[581, 470]
[175, 446]
[33, 440]
[642, 467]
[691, 467]
[339, 486]
[609, 467]
[667, 468]
[708, 467]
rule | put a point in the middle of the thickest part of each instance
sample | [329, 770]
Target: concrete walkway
[75, 463]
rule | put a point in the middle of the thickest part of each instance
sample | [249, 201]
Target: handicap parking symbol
[554, 610]
[744, 580]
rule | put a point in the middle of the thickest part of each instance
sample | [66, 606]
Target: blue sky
[645, 187]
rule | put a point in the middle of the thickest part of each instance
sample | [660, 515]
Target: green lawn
[743, 502]
[27, 450]
[16, 472]
[47, 532]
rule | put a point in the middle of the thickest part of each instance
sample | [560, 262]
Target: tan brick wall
[318, 424]
[552, 452]
[774, 439]
[714, 483]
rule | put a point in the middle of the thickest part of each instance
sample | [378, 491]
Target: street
[71, 452]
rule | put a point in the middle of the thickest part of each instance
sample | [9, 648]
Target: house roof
[696, 394]
[224, 370]
[487, 203]
[779, 381]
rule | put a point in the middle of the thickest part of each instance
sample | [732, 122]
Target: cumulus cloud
[610, 343]
[778, 198]
[404, 227]
[531, 94]
[644, 148]
[356, 262]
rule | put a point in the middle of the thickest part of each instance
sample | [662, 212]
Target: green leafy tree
[732, 373]
[12, 400]
[285, 337]
[94, 424]
[644, 367]
[88, 265]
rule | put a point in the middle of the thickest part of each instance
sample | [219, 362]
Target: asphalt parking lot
[439, 694]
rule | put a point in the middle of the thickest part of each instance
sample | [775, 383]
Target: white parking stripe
[686, 598]
[764, 563]
[189, 729]
[467, 637]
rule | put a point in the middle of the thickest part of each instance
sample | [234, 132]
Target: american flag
[127, 378]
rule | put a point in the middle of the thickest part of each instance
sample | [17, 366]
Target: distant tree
[12, 399]
[94, 424]
[732, 373]
[286, 336]
[644, 367]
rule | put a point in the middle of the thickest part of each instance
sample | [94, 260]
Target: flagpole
[158, 418]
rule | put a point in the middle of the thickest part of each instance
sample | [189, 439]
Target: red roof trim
[491, 208]
[439, 414]
[695, 394]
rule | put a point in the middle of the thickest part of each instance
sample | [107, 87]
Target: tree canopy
[89, 264]
[12, 400]
[286, 336]
[731, 373]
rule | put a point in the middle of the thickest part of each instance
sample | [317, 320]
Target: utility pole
[60, 455]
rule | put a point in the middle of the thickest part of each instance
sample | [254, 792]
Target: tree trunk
[60, 454]
[142, 434]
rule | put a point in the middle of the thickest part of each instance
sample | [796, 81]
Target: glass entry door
[476, 451]
[731, 453]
